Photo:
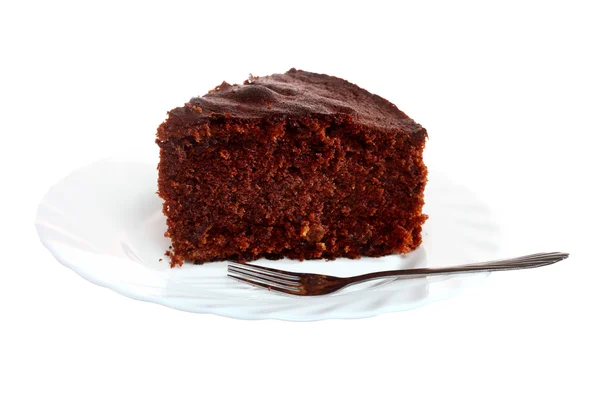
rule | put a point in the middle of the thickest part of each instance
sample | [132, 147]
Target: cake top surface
[295, 93]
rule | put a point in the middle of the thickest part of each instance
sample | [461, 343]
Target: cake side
[296, 186]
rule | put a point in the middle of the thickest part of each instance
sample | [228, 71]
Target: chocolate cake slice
[298, 165]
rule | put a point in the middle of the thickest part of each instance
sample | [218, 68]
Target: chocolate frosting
[295, 93]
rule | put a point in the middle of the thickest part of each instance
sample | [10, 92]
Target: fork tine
[256, 274]
[265, 270]
[265, 284]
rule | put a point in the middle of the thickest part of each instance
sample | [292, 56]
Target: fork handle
[524, 262]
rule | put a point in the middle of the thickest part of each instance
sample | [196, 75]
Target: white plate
[105, 222]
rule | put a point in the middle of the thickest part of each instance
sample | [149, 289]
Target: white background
[510, 95]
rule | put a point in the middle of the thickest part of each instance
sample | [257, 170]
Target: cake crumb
[176, 261]
[195, 108]
[304, 230]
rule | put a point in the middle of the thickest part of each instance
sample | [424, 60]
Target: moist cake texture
[298, 165]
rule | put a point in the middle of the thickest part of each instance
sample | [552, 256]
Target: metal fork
[307, 284]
